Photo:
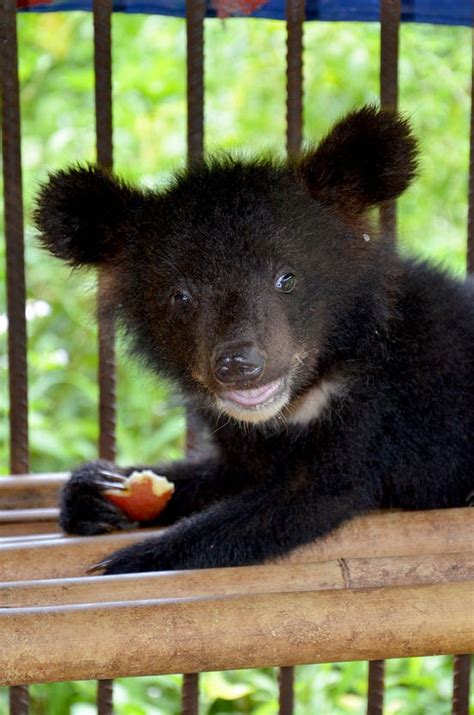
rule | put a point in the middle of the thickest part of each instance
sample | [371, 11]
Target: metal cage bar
[287, 697]
[295, 15]
[470, 214]
[103, 112]
[13, 201]
[389, 45]
[376, 687]
[195, 14]
[102, 15]
[462, 663]
[15, 268]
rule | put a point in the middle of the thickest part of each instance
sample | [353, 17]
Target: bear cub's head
[245, 281]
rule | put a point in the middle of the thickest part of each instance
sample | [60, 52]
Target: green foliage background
[245, 85]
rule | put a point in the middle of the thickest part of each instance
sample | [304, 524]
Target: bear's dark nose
[238, 362]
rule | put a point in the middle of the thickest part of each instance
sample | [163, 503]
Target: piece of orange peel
[142, 496]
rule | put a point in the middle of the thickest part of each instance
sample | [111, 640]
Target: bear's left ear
[369, 157]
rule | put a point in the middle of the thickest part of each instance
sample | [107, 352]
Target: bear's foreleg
[264, 522]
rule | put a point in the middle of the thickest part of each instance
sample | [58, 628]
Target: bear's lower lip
[255, 397]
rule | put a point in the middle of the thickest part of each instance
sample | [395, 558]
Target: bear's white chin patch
[254, 405]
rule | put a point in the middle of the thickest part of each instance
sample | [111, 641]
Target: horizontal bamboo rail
[380, 534]
[244, 631]
[11, 516]
[270, 578]
[31, 491]
[27, 530]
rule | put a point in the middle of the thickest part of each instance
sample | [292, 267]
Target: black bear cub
[333, 376]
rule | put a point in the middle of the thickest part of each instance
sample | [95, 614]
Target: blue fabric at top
[441, 12]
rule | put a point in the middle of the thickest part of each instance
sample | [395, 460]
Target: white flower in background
[59, 357]
[3, 323]
[37, 309]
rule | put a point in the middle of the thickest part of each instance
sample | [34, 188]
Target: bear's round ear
[79, 213]
[369, 157]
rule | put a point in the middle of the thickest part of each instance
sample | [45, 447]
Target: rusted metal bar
[190, 694]
[461, 682]
[102, 11]
[13, 202]
[286, 683]
[195, 12]
[295, 15]
[105, 697]
[470, 216]
[103, 112]
[462, 663]
[19, 700]
[15, 268]
[389, 45]
[376, 687]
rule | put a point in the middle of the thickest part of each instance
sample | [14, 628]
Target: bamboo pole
[31, 491]
[244, 631]
[270, 578]
[374, 535]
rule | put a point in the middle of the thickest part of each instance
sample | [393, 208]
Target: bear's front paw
[152, 555]
[84, 509]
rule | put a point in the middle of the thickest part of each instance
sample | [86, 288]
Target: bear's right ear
[79, 213]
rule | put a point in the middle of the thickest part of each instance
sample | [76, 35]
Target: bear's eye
[181, 299]
[286, 282]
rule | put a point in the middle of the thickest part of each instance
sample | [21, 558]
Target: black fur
[83, 214]
[192, 274]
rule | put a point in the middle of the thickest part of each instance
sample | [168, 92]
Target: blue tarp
[441, 12]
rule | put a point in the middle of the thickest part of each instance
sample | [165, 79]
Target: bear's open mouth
[255, 397]
[255, 404]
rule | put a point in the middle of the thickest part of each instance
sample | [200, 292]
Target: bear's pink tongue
[251, 398]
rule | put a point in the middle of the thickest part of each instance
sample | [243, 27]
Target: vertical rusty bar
[376, 687]
[19, 700]
[195, 14]
[462, 663]
[103, 112]
[389, 45]
[105, 697]
[286, 701]
[102, 13]
[461, 682]
[190, 694]
[295, 15]
[470, 214]
[15, 266]
[13, 203]
[390, 11]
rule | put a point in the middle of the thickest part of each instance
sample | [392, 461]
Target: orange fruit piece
[144, 497]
